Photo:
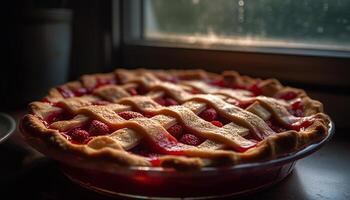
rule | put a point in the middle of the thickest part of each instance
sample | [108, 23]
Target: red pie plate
[206, 183]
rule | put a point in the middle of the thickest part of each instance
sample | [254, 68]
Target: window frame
[304, 66]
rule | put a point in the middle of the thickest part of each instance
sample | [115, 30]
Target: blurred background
[303, 43]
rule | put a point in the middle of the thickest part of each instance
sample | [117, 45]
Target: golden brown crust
[104, 153]
[53, 144]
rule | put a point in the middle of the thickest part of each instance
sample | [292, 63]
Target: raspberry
[297, 109]
[190, 139]
[166, 101]
[297, 113]
[195, 91]
[100, 82]
[141, 89]
[98, 128]
[58, 116]
[148, 115]
[65, 92]
[217, 123]
[255, 89]
[130, 115]
[296, 105]
[238, 86]
[244, 104]
[80, 91]
[160, 101]
[176, 130]
[209, 114]
[289, 95]
[79, 135]
[132, 92]
[218, 82]
[170, 102]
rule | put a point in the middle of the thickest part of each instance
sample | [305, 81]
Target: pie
[181, 119]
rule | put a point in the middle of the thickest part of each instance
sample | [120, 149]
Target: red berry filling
[65, 92]
[218, 83]
[155, 161]
[241, 104]
[141, 90]
[164, 143]
[148, 115]
[132, 92]
[160, 100]
[170, 102]
[296, 108]
[275, 126]
[301, 124]
[101, 82]
[195, 91]
[143, 150]
[217, 123]
[190, 139]
[209, 114]
[289, 95]
[166, 101]
[98, 128]
[80, 92]
[176, 130]
[254, 88]
[79, 135]
[58, 116]
[212, 116]
[185, 135]
[130, 115]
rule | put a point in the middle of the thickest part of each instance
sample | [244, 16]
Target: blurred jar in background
[39, 55]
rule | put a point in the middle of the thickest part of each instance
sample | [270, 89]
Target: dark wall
[92, 40]
[90, 47]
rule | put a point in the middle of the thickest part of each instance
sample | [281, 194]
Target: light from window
[310, 24]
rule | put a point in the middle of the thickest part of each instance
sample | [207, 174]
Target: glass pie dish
[206, 183]
[168, 133]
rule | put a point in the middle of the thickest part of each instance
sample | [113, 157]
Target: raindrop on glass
[320, 29]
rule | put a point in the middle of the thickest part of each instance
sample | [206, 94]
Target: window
[297, 24]
[310, 39]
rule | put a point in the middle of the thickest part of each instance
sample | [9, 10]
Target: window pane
[317, 24]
